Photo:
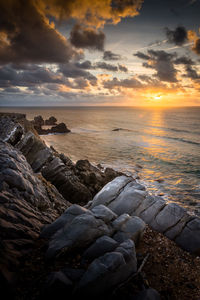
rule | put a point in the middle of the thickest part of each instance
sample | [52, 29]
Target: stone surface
[107, 271]
[128, 200]
[81, 232]
[27, 202]
[10, 131]
[110, 191]
[189, 238]
[57, 284]
[64, 220]
[51, 121]
[104, 213]
[130, 228]
[149, 214]
[67, 183]
[101, 246]
[168, 217]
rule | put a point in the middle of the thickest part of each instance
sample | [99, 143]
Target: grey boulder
[107, 271]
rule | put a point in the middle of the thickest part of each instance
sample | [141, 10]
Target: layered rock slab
[26, 204]
[125, 195]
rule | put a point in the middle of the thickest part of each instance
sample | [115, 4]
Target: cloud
[109, 55]
[178, 36]
[184, 60]
[196, 47]
[105, 66]
[142, 55]
[125, 83]
[71, 70]
[85, 65]
[191, 73]
[93, 13]
[82, 37]
[101, 65]
[123, 68]
[162, 62]
[27, 36]
[38, 76]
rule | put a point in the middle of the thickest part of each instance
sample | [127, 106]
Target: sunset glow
[100, 53]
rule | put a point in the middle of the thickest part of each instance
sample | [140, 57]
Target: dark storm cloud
[142, 55]
[184, 60]
[123, 68]
[105, 66]
[85, 65]
[11, 77]
[162, 62]
[126, 83]
[82, 37]
[178, 36]
[73, 71]
[27, 36]
[109, 55]
[191, 73]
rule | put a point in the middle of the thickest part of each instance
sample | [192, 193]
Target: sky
[99, 52]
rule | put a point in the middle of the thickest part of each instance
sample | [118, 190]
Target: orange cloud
[91, 12]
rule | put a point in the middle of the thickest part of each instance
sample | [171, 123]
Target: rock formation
[125, 195]
[38, 123]
[92, 250]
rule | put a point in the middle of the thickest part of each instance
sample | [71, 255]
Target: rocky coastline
[75, 229]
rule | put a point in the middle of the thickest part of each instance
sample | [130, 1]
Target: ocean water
[161, 144]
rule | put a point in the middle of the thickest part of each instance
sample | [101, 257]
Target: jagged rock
[64, 220]
[79, 227]
[82, 231]
[67, 183]
[51, 121]
[128, 200]
[168, 217]
[189, 238]
[57, 284]
[149, 214]
[38, 120]
[101, 246]
[26, 204]
[110, 191]
[60, 128]
[104, 213]
[94, 177]
[128, 228]
[35, 150]
[10, 131]
[107, 271]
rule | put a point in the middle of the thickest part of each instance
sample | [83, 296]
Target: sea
[159, 145]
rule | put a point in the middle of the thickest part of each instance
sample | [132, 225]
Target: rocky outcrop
[125, 195]
[10, 131]
[51, 121]
[60, 128]
[38, 123]
[106, 241]
[27, 202]
[78, 183]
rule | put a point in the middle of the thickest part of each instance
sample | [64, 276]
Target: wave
[182, 140]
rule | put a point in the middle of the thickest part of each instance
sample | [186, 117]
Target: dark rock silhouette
[51, 121]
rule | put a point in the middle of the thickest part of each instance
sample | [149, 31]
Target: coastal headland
[83, 230]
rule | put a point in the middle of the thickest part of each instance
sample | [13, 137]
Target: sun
[157, 97]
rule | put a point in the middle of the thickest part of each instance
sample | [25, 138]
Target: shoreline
[164, 254]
